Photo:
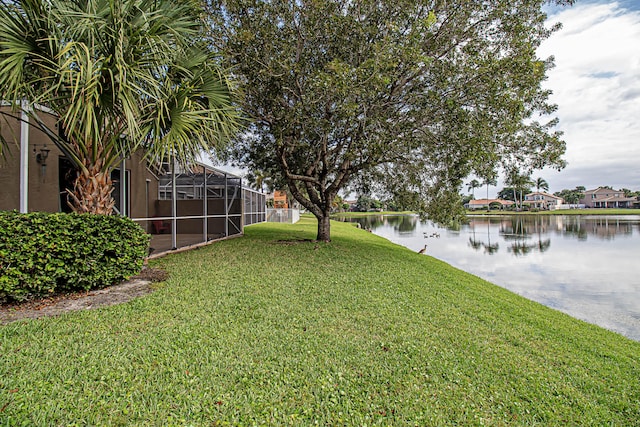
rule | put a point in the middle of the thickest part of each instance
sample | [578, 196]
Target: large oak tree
[406, 97]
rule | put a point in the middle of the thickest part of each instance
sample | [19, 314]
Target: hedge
[43, 253]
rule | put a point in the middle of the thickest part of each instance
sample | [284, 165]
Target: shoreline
[576, 212]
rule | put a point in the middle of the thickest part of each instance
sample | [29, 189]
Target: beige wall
[44, 186]
[43, 182]
[144, 188]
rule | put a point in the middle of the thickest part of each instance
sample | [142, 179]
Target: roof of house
[542, 193]
[602, 190]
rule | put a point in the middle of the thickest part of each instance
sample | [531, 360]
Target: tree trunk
[324, 228]
[92, 192]
[488, 204]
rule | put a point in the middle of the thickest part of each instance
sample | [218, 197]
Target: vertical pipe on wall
[147, 183]
[205, 201]
[24, 159]
[123, 188]
[226, 207]
[174, 204]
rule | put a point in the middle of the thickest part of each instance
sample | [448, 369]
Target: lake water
[585, 266]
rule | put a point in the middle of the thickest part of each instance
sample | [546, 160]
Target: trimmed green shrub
[42, 253]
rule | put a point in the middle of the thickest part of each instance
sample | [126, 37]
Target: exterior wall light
[41, 157]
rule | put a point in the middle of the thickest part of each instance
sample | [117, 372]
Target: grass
[275, 329]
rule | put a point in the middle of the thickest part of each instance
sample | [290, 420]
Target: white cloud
[596, 84]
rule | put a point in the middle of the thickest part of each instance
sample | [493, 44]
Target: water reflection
[400, 223]
[477, 243]
[525, 236]
[578, 264]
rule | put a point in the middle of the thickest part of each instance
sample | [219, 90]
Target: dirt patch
[62, 303]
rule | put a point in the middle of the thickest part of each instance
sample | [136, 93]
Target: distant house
[280, 200]
[603, 197]
[542, 200]
[486, 203]
[352, 205]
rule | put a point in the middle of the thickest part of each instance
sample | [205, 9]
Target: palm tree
[120, 75]
[257, 179]
[473, 184]
[519, 182]
[489, 181]
[541, 183]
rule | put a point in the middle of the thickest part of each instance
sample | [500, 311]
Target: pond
[585, 266]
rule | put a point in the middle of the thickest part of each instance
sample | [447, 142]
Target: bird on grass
[423, 250]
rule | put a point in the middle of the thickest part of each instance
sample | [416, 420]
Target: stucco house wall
[43, 194]
[602, 197]
[45, 184]
[541, 200]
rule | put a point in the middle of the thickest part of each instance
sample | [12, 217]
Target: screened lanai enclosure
[199, 205]
[178, 205]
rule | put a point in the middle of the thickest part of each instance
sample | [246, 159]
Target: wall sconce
[41, 157]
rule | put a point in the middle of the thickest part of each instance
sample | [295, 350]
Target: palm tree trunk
[92, 192]
[488, 204]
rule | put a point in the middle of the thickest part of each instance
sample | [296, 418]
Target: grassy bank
[275, 329]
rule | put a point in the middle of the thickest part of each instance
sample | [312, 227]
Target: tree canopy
[541, 183]
[571, 196]
[406, 98]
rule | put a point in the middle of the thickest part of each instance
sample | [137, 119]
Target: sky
[596, 85]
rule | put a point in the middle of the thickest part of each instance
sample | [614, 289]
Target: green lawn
[273, 329]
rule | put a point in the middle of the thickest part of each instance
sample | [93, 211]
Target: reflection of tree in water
[368, 222]
[522, 247]
[543, 245]
[514, 228]
[475, 244]
[519, 230]
[573, 227]
[604, 227]
[403, 224]
[489, 248]
[372, 222]
[607, 228]
[454, 226]
[400, 223]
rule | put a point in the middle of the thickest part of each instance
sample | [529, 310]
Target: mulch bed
[57, 304]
